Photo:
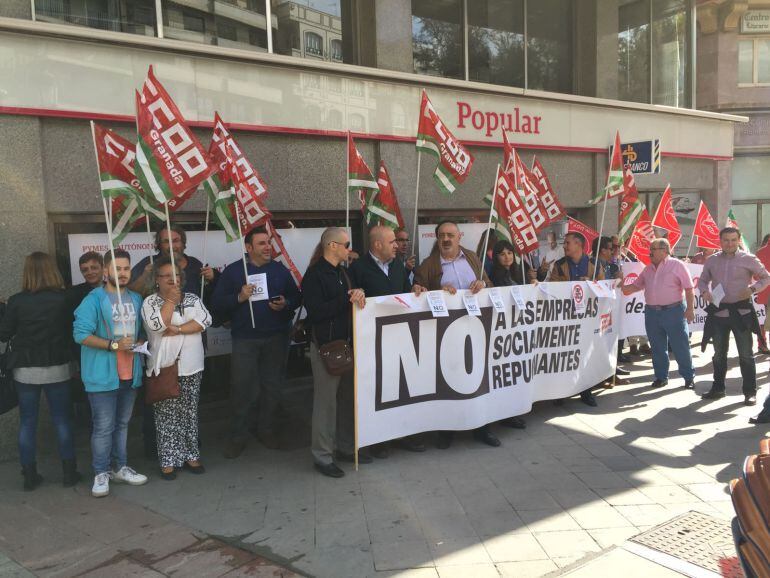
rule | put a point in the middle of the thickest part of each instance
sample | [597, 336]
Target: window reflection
[669, 52]
[496, 41]
[308, 28]
[133, 16]
[437, 38]
[634, 51]
[549, 45]
[231, 23]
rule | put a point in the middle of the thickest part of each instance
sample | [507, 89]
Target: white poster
[632, 312]
[416, 372]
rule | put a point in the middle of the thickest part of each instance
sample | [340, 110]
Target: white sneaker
[101, 485]
[128, 476]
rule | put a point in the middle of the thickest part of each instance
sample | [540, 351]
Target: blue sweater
[99, 367]
[267, 322]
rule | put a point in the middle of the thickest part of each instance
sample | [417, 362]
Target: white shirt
[385, 267]
[188, 347]
[550, 255]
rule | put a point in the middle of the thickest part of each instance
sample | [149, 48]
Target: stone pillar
[607, 49]
[16, 9]
[394, 35]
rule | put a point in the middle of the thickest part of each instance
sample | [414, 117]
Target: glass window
[746, 217]
[222, 23]
[634, 51]
[745, 62]
[549, 45]
[437, 38]
[319, 23]
[496, 41]
[669, 52]
[751, 178]
[763, 60]
[133, 16]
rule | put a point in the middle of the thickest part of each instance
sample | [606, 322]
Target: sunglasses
[345, 244]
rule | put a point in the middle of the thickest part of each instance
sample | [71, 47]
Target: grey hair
[152, 282]
[661, 241]
[331, 234]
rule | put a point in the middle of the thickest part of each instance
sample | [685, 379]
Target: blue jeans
[60, 408]
[664, 327]
[744, 341]
[110, 414]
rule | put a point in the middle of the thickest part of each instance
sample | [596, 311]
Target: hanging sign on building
[755, 22]
[643, 156]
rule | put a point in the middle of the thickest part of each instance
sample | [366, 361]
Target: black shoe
[363, 458]
[558, 402]
[487, 438]
[588, 398]
[623, 358]
[689, 384]
[379, 451]
[411, 445]
[199, 469]
[659, 383]
[515, 422]
[713, 394]
[621, 371]
[761, 418]
[168, 476]
[444, 441]
[70, 475]
[634, 350]
[31, 478]
[749, 400]
[645, 348]
[330, 470]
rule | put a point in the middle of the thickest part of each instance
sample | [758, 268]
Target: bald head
[382, 243]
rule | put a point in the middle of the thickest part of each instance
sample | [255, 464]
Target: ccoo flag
[614, 186]
[249, 188]
[584, 231]
[642, 238]
[706, 229]
[361, 182]
[665, 218]
[170, 159]
[630, 205]
[510, 215]
[387, 200]
[519, 173]
[115, 156]
[553, 207]
[433, 137]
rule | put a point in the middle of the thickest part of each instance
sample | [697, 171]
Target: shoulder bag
[337, 355]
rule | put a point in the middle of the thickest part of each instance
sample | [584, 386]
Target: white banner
[632, 312]
[418, 372]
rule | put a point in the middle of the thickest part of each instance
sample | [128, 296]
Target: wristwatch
[113, 345]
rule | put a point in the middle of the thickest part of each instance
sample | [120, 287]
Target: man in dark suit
[380, 273]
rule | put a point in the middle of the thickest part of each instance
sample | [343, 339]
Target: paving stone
[606, 538]
[459, 552]
[597, 517]
[208, 558]
[124, 567]
[351, 533]
[149, 547]
[548, 520]
[529, 569]
[567, 544]
[514, 548]
[402, 555]
[465, 570]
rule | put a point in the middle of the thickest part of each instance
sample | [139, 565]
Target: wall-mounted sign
[755, 22]
[643, 156]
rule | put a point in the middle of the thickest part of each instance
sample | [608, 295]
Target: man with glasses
[727, 284]
[259, 351]
[665, 282]
[402, 251]
[328, 294]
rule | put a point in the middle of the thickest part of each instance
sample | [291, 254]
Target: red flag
[433, 137]
[278, 252]
[706, 229]
[525, 183]
[248, 188]
[170, 161]
[387, 196]
[641, 238]
[553, 208]
[630, 205]
[585, 231]
[666, 219]
[513, 220]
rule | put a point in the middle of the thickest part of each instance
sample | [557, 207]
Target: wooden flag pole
[245, 268]
[347, 190]
[689, 247]
[149, 236]
[489, 225]
[601, 230]
[205, 239]
[355, 395]
[415, 244]
[170, 244]
[108, 222]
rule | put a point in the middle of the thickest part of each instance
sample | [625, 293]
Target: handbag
[337, 355]
[165, 385]
[9, 399]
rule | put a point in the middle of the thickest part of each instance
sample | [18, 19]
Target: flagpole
[489, 225]
[347, 190]
[149, 236]
[205, 240]
[243, 241]
[601, 230]
[415, 245]
[689, 247]
[170, 244]
[108, 222]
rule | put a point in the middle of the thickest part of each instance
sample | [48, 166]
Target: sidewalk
[574, 484]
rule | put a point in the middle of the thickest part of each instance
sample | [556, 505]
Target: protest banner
[410, 377]
[631, 313]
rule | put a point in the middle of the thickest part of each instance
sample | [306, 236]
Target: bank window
[226, 23]
[137, 17]
[437, 38]
[549, 45]
[313, 44]
[496, 41]
[754, 62]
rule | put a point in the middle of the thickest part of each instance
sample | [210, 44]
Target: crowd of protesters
[128, 333]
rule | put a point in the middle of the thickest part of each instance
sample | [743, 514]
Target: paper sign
[599, 289]
[405, 300]
[579, 297]
[610, 285]
[545, 289]
[717, 294]
[142, 349]
[471, 304]
[437, 304]
[496, 299]
[517, 297]
[259, 280]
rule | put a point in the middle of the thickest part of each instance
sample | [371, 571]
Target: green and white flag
[362, 183]
[614, 186]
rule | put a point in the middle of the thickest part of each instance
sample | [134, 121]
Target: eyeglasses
[346, 244]
[164, 276]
